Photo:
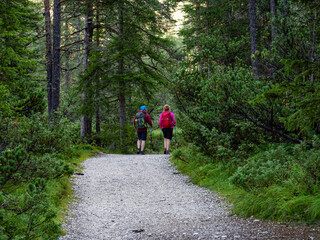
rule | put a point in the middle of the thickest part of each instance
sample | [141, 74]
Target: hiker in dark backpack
[167, 123]
[140, 122]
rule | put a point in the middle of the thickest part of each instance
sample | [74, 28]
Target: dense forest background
[242, 77]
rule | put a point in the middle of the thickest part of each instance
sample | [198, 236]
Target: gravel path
[144, 197]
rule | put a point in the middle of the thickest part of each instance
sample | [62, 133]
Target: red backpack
[166, 121]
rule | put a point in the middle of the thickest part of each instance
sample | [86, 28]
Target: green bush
[38, 137]
[277, 183]
[263, 170]
[215, 111]
[27, 211]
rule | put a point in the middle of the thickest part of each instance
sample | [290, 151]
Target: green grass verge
[60, 189]
[274, 202]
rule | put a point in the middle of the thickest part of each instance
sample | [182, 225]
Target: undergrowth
[280, 184]
[35, 169]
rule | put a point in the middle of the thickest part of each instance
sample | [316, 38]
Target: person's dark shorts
[142, 135]
[167, 132]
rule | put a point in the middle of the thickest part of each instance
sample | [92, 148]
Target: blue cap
[143, 108]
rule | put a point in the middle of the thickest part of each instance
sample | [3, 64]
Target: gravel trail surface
[144, 197]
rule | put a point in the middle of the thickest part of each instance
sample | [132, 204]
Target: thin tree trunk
[48, 53]
[207, 30]
[314, 33]
[253, 36]
[273, 17]
[198, 34]
[284, 8]
[68, 77]
[122, 83]
[56, 56]
[79, 45]
[98, 129]
[86, 121]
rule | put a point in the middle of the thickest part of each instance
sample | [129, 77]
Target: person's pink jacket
[172, 117]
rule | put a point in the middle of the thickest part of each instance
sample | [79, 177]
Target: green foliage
[279, 188]
[263, 169]
[217, 120]
[297, 169]
[32, 171]
[38, 137]
[145, 54]
[19, 94]
[247, 124]
[27, 210]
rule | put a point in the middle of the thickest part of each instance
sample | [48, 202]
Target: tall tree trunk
[56, 56]
[273, 17]
[79, 45]
[122, 83]
[98, 128]
[313, 48]
[86, 120]
[207, 31]
[284, 8]
[98, 35]
[67, 65]
[253, 36]
[48, 53]
[68, 75]
[198, 14]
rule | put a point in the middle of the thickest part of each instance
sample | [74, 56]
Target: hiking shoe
[138, 151]
[141, 152]
[167, 152]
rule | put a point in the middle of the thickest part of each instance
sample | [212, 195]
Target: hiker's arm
[148, 118]
[173, 120]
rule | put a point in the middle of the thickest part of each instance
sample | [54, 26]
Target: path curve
[144, 197]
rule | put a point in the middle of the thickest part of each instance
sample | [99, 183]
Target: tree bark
[253, 36]
[122, 83]
[273, 17]
[198, 14]
[86, 120]
[98, 128]
[56, 56]
[284, 8]
[67, 76]
[98, 118]
[48, 53]
[313, 48]
[79, 46]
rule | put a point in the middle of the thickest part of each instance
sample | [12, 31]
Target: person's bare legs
[165, 143]
[138, 143]
[143, 144]
[138, 146]
[168, 144]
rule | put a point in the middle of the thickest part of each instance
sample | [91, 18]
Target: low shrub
[263, 169]
[27, 211]
[39, 137]
[280, 183]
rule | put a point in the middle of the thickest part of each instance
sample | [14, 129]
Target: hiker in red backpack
[140, 122]
[167, 123]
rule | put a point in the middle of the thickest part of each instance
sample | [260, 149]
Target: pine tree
[20, 94]
[131, 55]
